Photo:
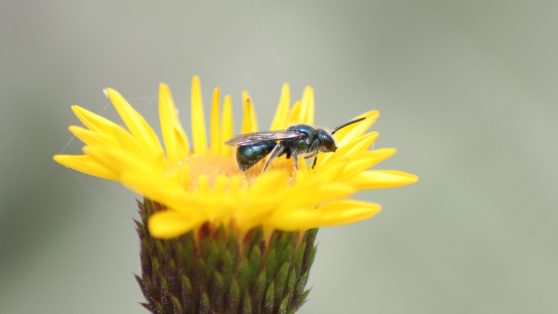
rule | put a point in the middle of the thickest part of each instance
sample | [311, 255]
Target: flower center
[211, 166]
[192, 168]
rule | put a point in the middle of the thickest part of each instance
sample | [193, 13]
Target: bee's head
[327, 143]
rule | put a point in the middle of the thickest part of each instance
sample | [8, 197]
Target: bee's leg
[277, 150]
[315, 161]
[295, 160]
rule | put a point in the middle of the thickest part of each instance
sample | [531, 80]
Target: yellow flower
[200, 183]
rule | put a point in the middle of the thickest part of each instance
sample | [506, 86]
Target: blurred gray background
[467, 91]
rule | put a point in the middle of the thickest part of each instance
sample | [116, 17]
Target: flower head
[199, 183]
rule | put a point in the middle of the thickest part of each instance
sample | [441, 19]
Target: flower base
[212, 271]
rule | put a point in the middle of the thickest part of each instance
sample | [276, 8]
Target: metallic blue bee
[299, 139]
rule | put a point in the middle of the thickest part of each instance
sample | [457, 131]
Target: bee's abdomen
[249, 155]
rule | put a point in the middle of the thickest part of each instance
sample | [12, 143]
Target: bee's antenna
[347, 124]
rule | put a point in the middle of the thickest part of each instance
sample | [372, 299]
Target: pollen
[198, 182]
[207, 166]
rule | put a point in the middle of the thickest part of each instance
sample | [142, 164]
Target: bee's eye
[327, 143]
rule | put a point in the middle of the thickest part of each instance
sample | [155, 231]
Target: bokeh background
[467, 91]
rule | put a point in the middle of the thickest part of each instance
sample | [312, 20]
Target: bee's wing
[253, 138]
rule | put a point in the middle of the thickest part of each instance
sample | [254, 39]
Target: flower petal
[169, 224]
[90, 137]
[134, 121]
[294, 115]
[347, 211]
[336, 213]
[199, 135]
[226, 126]
[260, 201]
[282, 113]
[380, 179]
[344, 152]
[249, 122]
[164, 190]
[93, 121]
[117, 160]
[214, 132]
[365, 160]
[132, 146]
[176, 142]
[86, 165]
[306, 114]
[350, 132]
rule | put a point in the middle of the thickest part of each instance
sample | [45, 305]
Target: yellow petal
[134, 121]
[306, 114]
[311, 195]
[111, 131]
[163, 189]
[282, 113]
[347, 211]
[93, 121]
[226, 126]
[348, 133]
[365, 160]
[360, 143]
[249, 122]
[379, 179]
[117, 160]
[261, 202]
[270, 180]
[214, 133]
[86, 165]
[294, 115]
[328, 173]
[199, 135]
[336, 213]
[176, 142]
[90, 137]
[344, 152]
[169, 224]
[132, 146]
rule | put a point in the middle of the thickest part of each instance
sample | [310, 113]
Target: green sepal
[213, 270]
[269, 298]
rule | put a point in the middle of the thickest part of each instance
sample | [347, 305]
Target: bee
[298, 140]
